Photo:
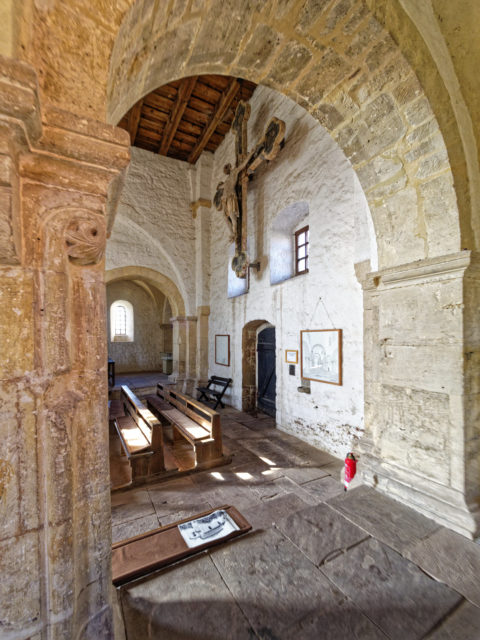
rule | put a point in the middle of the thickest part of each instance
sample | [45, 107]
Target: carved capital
[85, 239]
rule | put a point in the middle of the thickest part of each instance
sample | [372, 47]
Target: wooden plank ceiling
[185, 117]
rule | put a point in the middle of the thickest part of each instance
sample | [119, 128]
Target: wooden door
[267, 378]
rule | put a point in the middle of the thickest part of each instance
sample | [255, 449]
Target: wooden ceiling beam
[134, 120]
[216, 117]
[178, 109]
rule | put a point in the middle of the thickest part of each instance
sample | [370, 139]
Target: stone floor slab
[276, 586]
[320, 532]
[188, 601]
[384, 518]
[301, 475]
[268, 512]
[391, 591]
[131, 505]
[133, 528]
[451, 558]
[324, 489]
[462, 624]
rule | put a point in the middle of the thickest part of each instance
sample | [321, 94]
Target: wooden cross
[231, 194]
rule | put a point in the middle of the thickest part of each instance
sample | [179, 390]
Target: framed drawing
[291, 356]
[222, 350]
[321, 355]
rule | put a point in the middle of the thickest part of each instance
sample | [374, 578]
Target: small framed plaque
[222, 349]
[291, 356]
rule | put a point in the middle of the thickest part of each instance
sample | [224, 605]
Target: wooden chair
[212, 394]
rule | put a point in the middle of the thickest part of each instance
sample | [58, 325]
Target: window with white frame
[121, 321]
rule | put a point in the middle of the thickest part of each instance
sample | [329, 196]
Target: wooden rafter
[178, 109]
[134, 120]
[216, 117]
[173, 118]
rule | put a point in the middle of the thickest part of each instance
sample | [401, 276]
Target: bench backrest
[195, 410]
[143, 417]
[221, 382]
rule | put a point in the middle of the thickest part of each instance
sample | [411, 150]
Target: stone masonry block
[260, 47]
[323, 76]
[290, 62]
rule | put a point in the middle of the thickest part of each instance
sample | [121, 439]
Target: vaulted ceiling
[185, 117]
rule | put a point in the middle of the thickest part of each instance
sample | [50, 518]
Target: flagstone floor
[318, 564]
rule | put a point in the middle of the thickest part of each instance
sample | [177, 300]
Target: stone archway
[351, 77]
[185, 364]
[339, 63]
[249, 363]
[153, 278]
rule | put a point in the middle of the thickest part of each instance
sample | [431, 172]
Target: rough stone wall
[154, 227]
[309, 168]
[144, 353]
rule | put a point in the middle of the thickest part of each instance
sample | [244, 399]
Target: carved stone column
[421, 346]
[58, 172]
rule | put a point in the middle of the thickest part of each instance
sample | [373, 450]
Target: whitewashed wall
[310, 168]
[154, 228]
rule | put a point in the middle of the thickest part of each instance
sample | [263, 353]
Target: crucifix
[231, 194]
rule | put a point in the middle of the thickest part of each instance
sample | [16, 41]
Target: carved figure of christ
[231, 194]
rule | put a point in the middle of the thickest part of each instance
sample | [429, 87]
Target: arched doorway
[258, 368]
[266, 371]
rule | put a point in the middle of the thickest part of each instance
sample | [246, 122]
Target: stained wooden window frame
[298, 246]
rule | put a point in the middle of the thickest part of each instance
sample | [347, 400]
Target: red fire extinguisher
[350, 469]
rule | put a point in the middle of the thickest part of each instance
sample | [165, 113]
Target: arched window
[121, 321]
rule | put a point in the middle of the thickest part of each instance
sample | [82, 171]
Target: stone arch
[338, 62]
[151, 278]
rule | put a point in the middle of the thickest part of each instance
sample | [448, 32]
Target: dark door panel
[267, 378]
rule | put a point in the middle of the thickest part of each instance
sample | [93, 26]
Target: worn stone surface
[132, 527]
[264, 515]
[462, 624]
[451, 558]
[324, 488]
[320, 532]
[391, 591]
[187, 601]
[277, 602]
[372, 511]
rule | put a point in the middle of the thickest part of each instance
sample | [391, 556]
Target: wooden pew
[191, 420]
[141, 435]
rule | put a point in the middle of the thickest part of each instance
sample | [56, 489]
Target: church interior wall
[55, 547]
[309, 169]
[154, 227]
[145, 351]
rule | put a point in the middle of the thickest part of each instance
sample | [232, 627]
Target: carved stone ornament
[85, 240]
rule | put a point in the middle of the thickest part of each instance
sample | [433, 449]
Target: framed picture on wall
[291, 356]
[321, 355]
[222, 350]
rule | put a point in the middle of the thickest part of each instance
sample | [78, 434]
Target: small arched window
[121, 321]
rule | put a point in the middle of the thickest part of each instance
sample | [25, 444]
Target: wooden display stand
[142, 554]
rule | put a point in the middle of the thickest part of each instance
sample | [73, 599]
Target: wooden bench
[141, 435]
[190, 419]
[211, 394]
